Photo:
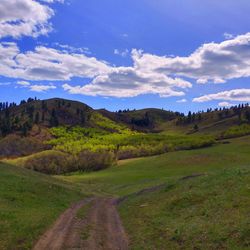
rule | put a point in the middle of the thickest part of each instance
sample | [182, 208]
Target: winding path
[100, 229]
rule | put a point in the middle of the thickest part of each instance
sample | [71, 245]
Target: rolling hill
[29, 204]
[57, 136]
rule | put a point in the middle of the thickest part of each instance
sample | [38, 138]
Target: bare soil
[100, 228]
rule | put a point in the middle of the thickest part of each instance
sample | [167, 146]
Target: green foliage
[237, 131]
[106, 124]
[125, 143]
[57, 162]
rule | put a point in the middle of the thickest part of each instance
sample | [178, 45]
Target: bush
[93, 161]
[16, 146]
[237, 131]
[56, 162]
[51, 162]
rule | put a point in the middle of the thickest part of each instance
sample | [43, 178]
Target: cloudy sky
[179, 55]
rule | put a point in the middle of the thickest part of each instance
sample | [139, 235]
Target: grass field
[207, 212]
[29, 203]
[135, 174]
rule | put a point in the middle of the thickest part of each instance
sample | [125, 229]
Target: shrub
[56, 162]
[51, 162]
[16, 146]
[237, 131]
[93, 161]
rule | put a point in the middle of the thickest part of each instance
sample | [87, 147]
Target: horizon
[178, 56]
[245, 104]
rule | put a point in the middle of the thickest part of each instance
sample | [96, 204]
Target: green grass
[209, 212]
[237, 131]
[206, 212]
[83, 211]
[30, 203]
[133, 175]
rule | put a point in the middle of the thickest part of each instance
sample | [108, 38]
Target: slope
[29, 203]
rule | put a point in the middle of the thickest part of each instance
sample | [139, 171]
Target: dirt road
[99, 229]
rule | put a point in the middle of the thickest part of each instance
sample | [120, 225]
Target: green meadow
[29, 203]
[201, 199]
[203, 203]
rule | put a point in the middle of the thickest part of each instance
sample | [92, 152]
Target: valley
[114, 186]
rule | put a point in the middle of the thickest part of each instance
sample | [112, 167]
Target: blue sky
[179, 55]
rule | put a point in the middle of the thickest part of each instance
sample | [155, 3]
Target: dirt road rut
[99, 229]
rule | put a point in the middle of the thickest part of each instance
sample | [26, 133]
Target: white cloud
[41, 88]
[67, 48]
[25, 18]
[36, 87]
[23, 83]
[52, 1]
[228, 35]
[182, 100]
[51, 65]
[241, 95]
[212, 62]
[225, 104]
[122, 53]
[47, 64]
[149, 74]
[130, 82]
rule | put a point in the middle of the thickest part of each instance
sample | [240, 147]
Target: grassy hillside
[195, 199]
[135, 174]
[209, 212]
[147, 120]
[211, 121]
[75, 134]
[29, 203]
[31, 117]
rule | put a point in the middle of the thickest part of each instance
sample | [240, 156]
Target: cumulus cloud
[182, 100]
[25, 18]
[225, 104]
[23, 83]
[228, 35]
[241, 95]
[47, 64]
[122, 53]
[130, 82]
[53, 65]
[36, 87]
[149, 74]
[71, 49]
[212, 62]
[41, 88]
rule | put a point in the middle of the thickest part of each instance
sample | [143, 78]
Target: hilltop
[60, 112]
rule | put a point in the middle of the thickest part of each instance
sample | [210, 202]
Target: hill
[60, 136]
[46, 113]
[211, 121]
[147, 120]
[29, 204]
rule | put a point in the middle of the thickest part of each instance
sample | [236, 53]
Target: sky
[177, 55]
